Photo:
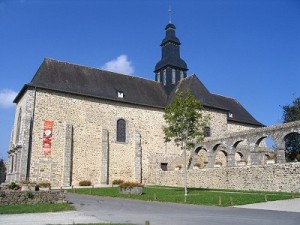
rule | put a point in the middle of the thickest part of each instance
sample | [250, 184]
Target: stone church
[75, 123]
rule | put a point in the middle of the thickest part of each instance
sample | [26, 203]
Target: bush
[29, 195]
[13, 186]
[44, 185]
[117, 182]
[130, 184]
[85, 183]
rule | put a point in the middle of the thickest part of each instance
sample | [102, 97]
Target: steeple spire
[171, 68]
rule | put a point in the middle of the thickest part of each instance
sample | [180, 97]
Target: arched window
[18, 131]
[206, 132]
[121, 130]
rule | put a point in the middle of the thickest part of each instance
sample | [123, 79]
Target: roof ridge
[99, 69]
[225, 96]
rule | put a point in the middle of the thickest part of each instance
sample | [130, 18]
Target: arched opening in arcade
[201, 158]
[220, 156]
[241, 157]
[266, 150]
[292, 147]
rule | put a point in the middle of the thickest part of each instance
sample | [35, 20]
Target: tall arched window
[121, 130]
[18, 131]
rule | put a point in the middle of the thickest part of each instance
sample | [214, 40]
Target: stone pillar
[211, 161]
[254, 155]
[8, 169]
[280, 151]
[137, 174]
[105, 157]
[68, 157]
[230, 160]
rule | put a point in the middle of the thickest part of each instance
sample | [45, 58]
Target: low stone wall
[276, 177]
[36, 197]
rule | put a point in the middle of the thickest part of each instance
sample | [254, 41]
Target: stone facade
[84, 145]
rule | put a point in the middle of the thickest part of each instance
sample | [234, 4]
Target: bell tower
[171, 68]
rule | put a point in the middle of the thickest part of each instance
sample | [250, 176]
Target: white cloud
[6, 98]
[119, 65]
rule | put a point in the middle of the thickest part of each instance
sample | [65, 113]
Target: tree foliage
[2, 171]
[292, 141]
[185, 120]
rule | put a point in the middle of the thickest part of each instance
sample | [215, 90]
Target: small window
[181, 75]
[158, 77]
[206, 132]
[164, 166]
[121, 130]
[120, 94]
[173, 76]
[230, 114]
[165, 77]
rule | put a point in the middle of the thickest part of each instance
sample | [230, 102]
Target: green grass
[196, 196]
[38, 208]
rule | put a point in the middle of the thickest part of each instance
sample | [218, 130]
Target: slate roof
[71, 78]
[86, 81]
[238, 112]
[199, 91]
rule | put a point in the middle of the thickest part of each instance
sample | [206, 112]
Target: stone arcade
[75, 123]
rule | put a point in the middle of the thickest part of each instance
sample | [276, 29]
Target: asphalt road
[91, 209]
[137, 212]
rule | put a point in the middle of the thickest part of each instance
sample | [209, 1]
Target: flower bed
[131, 188]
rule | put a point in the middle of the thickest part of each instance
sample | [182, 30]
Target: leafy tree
[292, 142]
[185, 123]
[2, 171]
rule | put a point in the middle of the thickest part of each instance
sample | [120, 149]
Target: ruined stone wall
[30, 198]
[274, 177]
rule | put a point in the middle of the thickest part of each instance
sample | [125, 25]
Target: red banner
[47, 137]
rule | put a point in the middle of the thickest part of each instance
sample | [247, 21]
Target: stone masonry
[84, 145]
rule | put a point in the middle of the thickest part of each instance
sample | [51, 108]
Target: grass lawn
[196, 196]
[38, 208]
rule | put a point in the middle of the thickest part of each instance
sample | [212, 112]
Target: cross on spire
[170, 14]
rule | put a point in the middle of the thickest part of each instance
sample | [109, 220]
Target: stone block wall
[276, 177]
[29, 198]
[79, 151]
[89, 118]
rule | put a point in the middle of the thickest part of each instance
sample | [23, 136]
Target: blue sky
[249, 50]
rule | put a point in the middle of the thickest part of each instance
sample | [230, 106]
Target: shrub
[130, 184]
[29, 195]
[85, 183]
[13, 186]
[44, 185]
[117, 182]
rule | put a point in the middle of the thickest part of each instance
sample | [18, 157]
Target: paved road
[98, 209]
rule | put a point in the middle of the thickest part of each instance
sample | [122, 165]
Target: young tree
[2, 171]
[185, 123]
[292, 142]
